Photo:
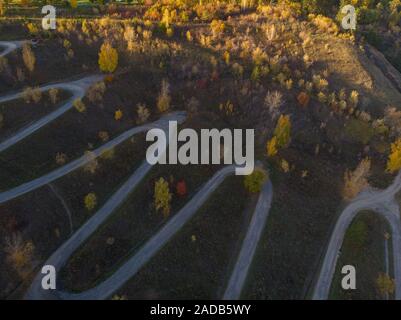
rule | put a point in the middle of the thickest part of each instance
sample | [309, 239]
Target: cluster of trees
[368, 11]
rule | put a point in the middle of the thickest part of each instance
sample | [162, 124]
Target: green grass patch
[363, 248]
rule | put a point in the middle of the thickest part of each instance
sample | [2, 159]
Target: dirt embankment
[358, 68]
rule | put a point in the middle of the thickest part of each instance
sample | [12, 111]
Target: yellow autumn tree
[394, 159]
[108, 58]
[162, 197]
[272, 147]
[118, 114]
[283, 131]
[28, 57]
[90, 201]
[73, 3]
[3, 7]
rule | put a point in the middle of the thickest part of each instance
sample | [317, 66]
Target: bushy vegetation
[254, 182]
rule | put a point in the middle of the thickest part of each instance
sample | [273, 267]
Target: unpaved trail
[77, 88]
[381, 201]
[58, 173]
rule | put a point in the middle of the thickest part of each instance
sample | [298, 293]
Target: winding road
[256, 226]
[77, 88]
[152, 246]
[147, 251]
[53, 175]
[105, 289]
[381, 201]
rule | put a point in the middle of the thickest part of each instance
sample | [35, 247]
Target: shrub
[36, 95]
[324, 24]
[394, 159]
[108, 58]
[79, 105]
[254, 182]
[118, 114]
[104, 136]
[164, 99]
[217, 27]
[92, 163]
[32, 95]
[28, 57]
[181, 188]
[108, 154]
[3, 7]
[285, 166]
[189, 36]
[142, 113]
[273, 101]
[392, 119]
[318, 6]
[283, 131]
[32, 28]
[303, 99]
[357, 180]
[353, 99]
[61, 158]
[27, 94]
[271, 147]
[73, 4]
[237, 69]
[169, 32]
[19, 254]
[162, 197]
[259, 56]
[385, 285]
[3, 64]
[53, 94]
[226, 57]
[90, 201]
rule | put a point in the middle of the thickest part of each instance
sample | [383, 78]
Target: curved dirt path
[10, 46]
[77, 88]
[381, 201]
[53, 175]
[145, 253]
[255, 228]
[67, 210]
